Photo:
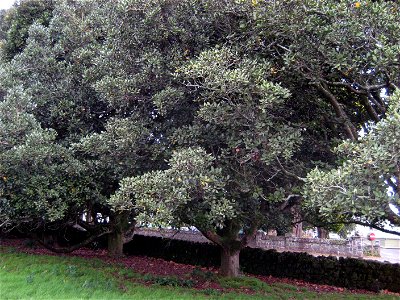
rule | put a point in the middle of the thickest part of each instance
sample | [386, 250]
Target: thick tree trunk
[115, 244]
[231, 244]
[230, 262]
[118, 224]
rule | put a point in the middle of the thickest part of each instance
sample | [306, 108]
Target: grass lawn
[27, 276]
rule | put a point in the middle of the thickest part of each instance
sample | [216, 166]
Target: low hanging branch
[74, 247]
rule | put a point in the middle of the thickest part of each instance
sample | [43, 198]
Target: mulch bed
[160, 267]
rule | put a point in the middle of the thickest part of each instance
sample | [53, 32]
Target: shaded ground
[201, 278]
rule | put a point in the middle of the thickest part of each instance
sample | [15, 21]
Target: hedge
[344, 272]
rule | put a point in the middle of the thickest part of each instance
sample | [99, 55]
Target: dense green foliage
[197, 113]
[16, 22]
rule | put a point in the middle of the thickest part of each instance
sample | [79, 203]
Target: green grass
[25, 276]
[246, 282]
[286, 291]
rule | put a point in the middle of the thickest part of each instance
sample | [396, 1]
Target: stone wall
[185, 235]
[352, 247]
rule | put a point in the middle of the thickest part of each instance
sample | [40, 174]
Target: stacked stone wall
[352, 247]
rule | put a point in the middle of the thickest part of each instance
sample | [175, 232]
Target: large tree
[335, 57]
[242, 98]
[49, 70]
[96, 87]
[144, 43]
[226, 187]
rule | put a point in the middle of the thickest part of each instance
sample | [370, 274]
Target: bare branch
[371, 111]
[347, 85]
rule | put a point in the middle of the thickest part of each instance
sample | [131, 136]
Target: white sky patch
[5, 4]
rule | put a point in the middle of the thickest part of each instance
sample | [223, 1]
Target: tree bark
[322, 233]
[115, 244]
[230, 251]
[230, 262]
[118, 224]
[298, 225]
[231, 245]
[350, 130]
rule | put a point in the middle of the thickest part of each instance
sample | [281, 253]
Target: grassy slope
[24, 276]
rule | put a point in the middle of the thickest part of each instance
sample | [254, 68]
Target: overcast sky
[6, 3]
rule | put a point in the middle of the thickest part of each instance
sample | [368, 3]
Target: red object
[371, 236]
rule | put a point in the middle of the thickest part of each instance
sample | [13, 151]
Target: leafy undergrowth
[29, 275]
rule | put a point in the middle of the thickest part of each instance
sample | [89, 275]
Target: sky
[4, 4]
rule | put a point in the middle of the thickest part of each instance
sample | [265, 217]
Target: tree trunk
[298, 230]
[230, 245]
[118, 224]
[229, 262]
[298, 227]
[322, 233]
[115, 244]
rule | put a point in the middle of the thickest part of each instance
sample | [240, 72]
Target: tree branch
[371, 111]
[212, 236]
[74, 247]
[370, 88]
[340, 113]
[377, 101]
[289, 173]
[130, 233]
[289, 203]
[347, 85]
